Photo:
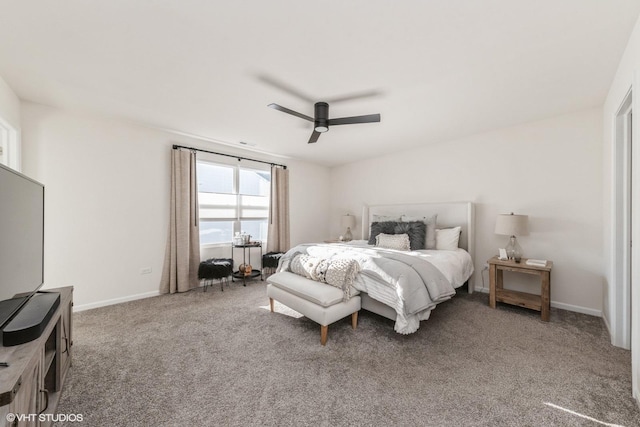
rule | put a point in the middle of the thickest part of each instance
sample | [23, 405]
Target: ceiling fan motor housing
[321, 120]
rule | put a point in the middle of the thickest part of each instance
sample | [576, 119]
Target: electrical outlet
[146, 270]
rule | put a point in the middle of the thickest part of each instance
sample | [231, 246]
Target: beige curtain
[278, 236]
[182, 256]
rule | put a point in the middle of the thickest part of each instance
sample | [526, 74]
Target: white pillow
[447, 238]
[385, 218]
[393, 241]
[409, 218]
[430, 240]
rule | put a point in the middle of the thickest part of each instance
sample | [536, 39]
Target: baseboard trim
[577, 309]
[606, 324]
[113, 301]
[563, 306]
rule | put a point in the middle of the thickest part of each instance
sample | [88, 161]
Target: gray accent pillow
[386, 227]
[416, 230]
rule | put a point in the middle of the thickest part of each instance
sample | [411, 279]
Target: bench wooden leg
[354, 320]
[271, 304]
[323, 334]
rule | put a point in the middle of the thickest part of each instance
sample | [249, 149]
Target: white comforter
[412, 283]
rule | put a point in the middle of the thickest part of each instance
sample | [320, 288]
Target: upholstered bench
[317, 301]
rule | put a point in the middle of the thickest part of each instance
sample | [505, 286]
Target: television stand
[36, 371]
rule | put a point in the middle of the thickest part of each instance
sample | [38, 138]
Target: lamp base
[348, 236]
[514, 251]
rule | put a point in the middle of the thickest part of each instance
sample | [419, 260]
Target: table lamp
[512, 225]
[348, 221]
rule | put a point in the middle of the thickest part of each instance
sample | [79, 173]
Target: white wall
[628, 74]
[107, 200]
[550, 170]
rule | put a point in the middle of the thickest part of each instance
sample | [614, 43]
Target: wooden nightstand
[497, 293]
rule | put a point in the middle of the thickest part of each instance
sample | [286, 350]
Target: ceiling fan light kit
[321, 120]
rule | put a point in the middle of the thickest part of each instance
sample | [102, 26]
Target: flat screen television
[21, 241]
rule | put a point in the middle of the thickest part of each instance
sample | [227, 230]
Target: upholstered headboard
[450, 214]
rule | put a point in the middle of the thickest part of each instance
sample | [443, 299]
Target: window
[232, 199]
[9, 146]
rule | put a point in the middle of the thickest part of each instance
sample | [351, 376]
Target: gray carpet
[221, 358]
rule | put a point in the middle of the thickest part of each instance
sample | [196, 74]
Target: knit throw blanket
[335, 272]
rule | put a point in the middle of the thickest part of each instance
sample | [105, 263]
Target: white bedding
[456, 266]
[413, 284]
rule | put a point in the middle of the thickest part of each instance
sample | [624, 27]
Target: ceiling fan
[321, 120]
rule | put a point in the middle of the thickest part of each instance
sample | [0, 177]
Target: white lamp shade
[348, 221]
[512, 225]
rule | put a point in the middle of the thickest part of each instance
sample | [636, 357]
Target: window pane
[254, 213]
[254, 207]
[214, 178]
[257, 229]
[217, 213]
[215, 206]
[4, 146]
[215, 232]
[255, 182]
[228, 194]
[254, 201]
[216, 199]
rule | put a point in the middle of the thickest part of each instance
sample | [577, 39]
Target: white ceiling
[443, 68]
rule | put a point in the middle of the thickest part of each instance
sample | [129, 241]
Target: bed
[405, 285]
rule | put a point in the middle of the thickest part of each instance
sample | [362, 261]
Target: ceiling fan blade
[285, 88]
[314, 137]
[288, 111]
[353, 96]
[369, 118]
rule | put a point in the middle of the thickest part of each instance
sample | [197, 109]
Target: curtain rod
[175, 147]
